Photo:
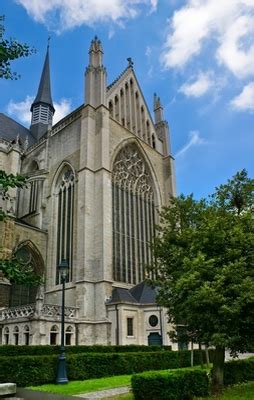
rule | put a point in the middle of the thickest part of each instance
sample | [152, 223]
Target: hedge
[181, 384]
[239, 371]
[12, 350]
[37, 370]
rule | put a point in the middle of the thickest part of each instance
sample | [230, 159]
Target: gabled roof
[139, 294]
[143, 293]
[128, 73]
[10, 129]
[122, 295]
[112, 84]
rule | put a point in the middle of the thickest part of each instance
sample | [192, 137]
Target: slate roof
[44, 91]
[143, 293]
[10, 129]
[139, 294]
[122, 295]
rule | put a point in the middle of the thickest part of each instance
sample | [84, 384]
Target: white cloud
[245, 100]
[229, 23]
[21, 110]
[148, 51]
[201, 85]
[63, 108]
[194, 140]
[60, 15]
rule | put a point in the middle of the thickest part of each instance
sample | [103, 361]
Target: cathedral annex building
[96, 180]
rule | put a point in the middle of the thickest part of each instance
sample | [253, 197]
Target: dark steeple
[42, 108]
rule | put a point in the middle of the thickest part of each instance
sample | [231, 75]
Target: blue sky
[197, 55]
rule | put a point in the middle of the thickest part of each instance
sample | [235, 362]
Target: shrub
[239, 371]
[28, 370]
[181, 384]
[36, 370]
[11, 350]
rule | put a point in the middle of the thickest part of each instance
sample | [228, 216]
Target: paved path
[102, 394]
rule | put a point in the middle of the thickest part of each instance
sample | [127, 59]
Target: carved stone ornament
[130, 172]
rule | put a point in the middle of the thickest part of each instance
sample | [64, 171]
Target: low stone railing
[17, 312]
[46, 310]
[50, 310]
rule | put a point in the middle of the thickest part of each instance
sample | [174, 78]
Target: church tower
[95, 76]
[42, 108]
[95, 182]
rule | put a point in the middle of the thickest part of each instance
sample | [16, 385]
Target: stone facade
[67, 211]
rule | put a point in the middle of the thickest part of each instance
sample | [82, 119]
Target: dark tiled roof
[144, 293]
[44, 91]
[139, 294]
[122, 295]
[10, 129]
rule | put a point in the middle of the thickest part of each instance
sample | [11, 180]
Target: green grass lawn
[90, 385]
[243, 391]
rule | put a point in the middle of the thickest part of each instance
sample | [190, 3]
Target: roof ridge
[130, 66]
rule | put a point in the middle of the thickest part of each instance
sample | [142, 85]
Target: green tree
[204, 256]
[11, 49]
[12, 269]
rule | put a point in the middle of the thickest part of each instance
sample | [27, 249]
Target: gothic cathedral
[96, 180]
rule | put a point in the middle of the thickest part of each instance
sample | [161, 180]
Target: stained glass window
[133, 216]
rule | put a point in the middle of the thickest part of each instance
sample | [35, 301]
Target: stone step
[7, 389]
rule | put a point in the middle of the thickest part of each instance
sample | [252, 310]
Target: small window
[26, 335]
[153, 142]
[68, 335]
[6, 336]
[129, 326]
[53, 335]
[16, 336]
[110, 106]
[153, 320]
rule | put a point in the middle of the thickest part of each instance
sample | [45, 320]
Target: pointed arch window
[53, 336]
[133, 216]
[16, 335]
[6, 335]
[26, 332]
[65, 200]
[27, 254]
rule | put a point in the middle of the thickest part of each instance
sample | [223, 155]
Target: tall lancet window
[133, 216]
[65, 200]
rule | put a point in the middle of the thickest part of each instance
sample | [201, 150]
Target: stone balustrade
[50, 310]
[47, 310]
[17, 312]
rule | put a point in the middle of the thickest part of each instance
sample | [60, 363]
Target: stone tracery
[133, 216]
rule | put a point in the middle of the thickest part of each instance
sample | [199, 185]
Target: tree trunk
[192, 354]
[201, 355]
[218, 369]
[207, 356]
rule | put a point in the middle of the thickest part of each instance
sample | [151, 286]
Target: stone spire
[95, 76]
[42, 108]
[161, 125]
[158, 109]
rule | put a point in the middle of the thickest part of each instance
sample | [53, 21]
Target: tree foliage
[8, 181]
[12, 268]
[18, 273]
[204, 255]
[11, 49]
